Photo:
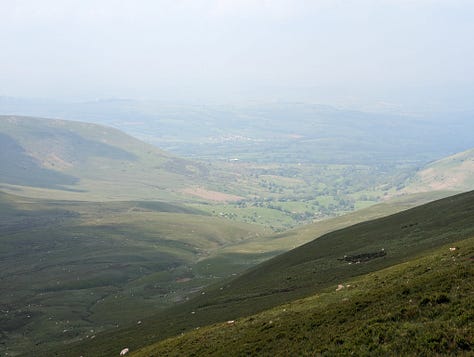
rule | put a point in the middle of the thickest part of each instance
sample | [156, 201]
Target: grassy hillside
[321, 264]
[74, 160]
[70, 269]
[423, 307]
[455, 173]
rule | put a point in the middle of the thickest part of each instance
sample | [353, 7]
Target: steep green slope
[423, 307]
[69, 267]
[309, 269]
[455, 173]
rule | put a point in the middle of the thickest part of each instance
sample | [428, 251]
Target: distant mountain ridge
[271, 131]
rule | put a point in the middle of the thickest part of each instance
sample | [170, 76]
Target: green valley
[61, 159]
[106, 240]
[236, 178]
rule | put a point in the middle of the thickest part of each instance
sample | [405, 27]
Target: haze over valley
[236, 178]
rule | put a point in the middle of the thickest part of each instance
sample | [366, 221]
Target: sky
[354, 53]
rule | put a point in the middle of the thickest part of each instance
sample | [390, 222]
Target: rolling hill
[74, 160]
[453, 173]
[335, 258]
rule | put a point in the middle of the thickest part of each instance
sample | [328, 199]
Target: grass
[302, 272]
[455, 172]
[423, 307]
[78, 266]
[60, 159]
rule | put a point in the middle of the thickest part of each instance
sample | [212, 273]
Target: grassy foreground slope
[69, 269]
[423, 307]
[304, 271]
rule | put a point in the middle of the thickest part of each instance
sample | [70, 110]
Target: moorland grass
[69, 267]
[423, 307]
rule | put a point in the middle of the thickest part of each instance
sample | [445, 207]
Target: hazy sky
[349, 52]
